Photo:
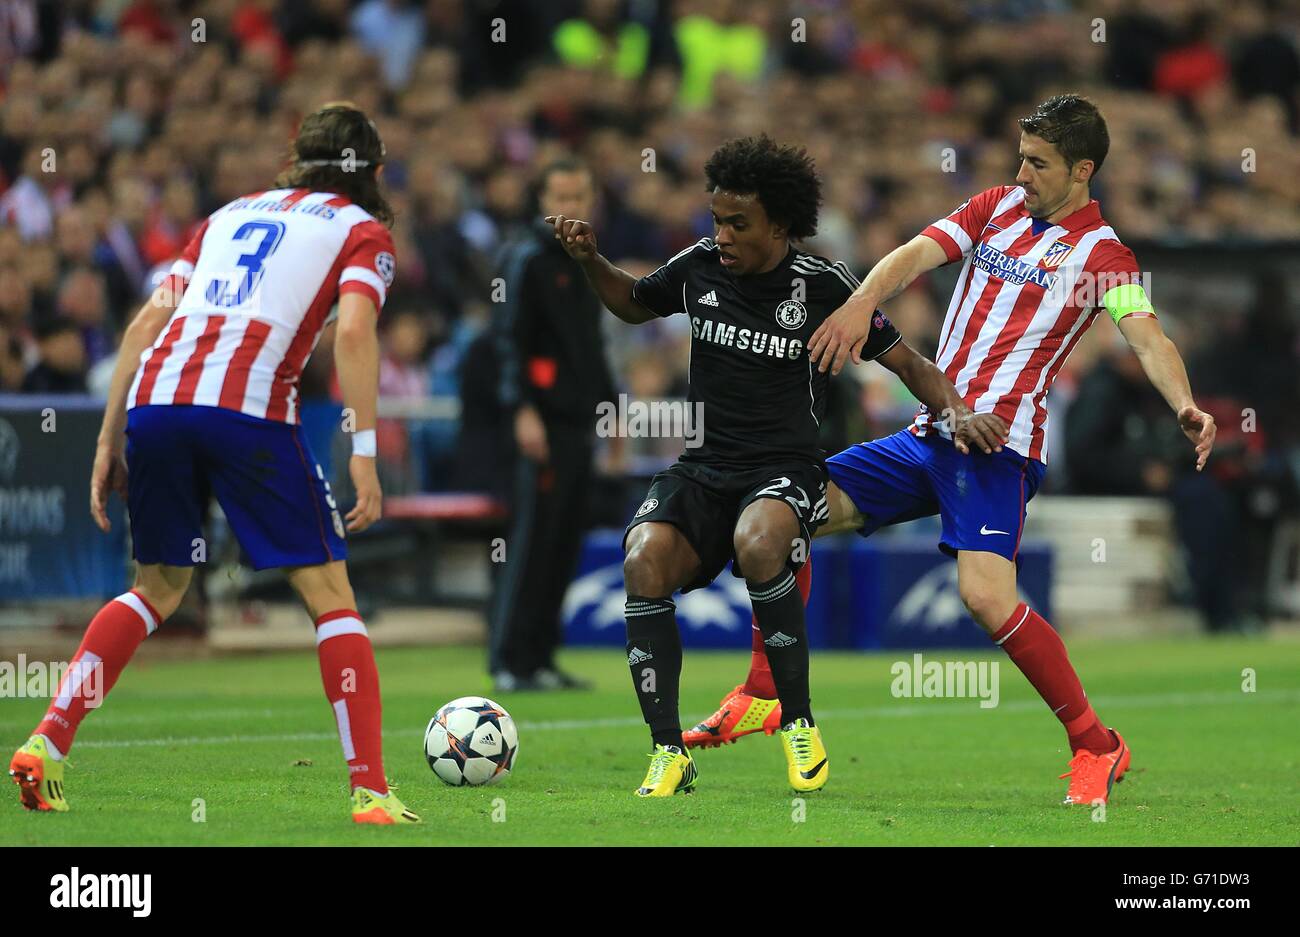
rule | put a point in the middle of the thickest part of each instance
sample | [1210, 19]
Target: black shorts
[705, 503]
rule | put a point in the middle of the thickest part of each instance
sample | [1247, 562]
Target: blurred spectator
[597, 38]
[61, 364]
[392, 30]
[435, 440]
[19, 29]
[29, 203]
[402, 376]
[314, 19]
[1264, 61]
[152, 20]
[12, 369]
[716, 38]
[16, 305]
[485, 447]
[82, 301]
[1193, 63]
[173, 222]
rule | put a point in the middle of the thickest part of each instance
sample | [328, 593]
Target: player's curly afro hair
[783, 177]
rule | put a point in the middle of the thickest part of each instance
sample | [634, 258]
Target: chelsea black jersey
[751, 380]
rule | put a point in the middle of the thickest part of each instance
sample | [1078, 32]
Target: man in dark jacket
[553, 373]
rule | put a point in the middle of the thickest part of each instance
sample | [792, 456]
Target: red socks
[347, 666]
[759, 682]
[1035, 647]
[347, 669]
[111, 638]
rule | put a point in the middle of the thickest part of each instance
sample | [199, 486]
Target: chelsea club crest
[791, 314]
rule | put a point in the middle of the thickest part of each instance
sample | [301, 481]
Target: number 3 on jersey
[271, 232]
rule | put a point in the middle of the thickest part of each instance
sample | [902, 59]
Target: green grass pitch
[1211, 765]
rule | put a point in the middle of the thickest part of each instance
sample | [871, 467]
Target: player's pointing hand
[577, 237]
[1198, 426]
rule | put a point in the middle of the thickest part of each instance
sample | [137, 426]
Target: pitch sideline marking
[1156, 701]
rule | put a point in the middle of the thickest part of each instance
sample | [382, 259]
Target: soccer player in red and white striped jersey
[1039, 265]
[204, 402]
[295, 252]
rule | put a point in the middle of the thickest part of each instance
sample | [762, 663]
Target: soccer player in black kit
[755, 488]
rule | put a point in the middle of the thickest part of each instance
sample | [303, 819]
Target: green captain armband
[1126, 300]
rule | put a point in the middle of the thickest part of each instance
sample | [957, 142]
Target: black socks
[654, 656]
[779, 610]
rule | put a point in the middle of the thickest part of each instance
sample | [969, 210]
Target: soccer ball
[472, 741]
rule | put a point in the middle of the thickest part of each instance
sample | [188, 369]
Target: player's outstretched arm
[356, 357]
[845, 331]
[612, 284]
[109, 473]
[1165, 369]
[931, 386]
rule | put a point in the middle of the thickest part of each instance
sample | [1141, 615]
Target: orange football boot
[1092, 776]
[38, 776]
[739, 714]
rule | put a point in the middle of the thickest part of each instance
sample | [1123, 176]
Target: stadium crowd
[123, 123]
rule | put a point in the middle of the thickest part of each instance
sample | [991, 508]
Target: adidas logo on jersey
[709, 299]
[780, 639]
[637, 656]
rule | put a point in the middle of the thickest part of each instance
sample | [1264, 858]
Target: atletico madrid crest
[1056, 253]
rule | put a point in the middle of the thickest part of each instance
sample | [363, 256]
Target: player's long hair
[338, 149]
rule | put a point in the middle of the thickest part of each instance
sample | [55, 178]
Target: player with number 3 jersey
[204, 403]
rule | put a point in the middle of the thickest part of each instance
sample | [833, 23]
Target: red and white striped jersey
[260, 279]
[1027, 292]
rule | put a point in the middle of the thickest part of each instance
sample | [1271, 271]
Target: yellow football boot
[671, 771]
[369, 807]
[805, 756]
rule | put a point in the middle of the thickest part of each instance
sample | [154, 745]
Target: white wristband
[363, 443]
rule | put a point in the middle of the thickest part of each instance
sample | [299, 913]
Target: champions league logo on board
[599, 596]
[933, 603]
[791, 314]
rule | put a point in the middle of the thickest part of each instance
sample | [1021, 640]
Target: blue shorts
[274, 495]
[980, 497]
